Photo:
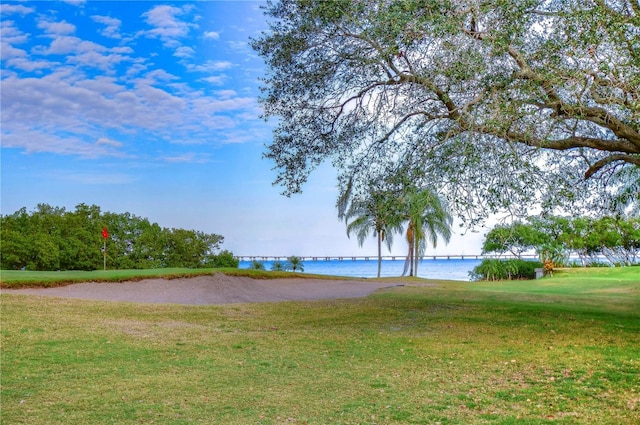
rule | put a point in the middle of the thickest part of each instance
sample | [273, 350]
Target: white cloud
[211, 35]
[210, 66]
[166, 24]
[239, 137]
[66, 109]
[216, 80]
[112, 26]
[160, 75]
[9, 36]
[225, 94]
[188, 157]
[122, 49]
[106, 86]
[10, 9]
[65, 45]
[27, 64]
[75, 2]
[214, 105]
[239, 46]
[84, 53]
[184, 52]
[44, 140]
[108, 142]
[135, 69]
[59, 28]
[66, 105]
[95, 59]
[11, 33]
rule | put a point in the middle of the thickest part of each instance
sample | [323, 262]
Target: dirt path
[215, 289]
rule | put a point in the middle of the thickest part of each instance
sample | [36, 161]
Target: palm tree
[377, 213]
[256, 265]
[427, 219]
[277, 266]
[294, 264]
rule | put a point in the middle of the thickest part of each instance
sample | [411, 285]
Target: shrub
[599, 264]
[527, 269]
[488, 269]
[553, 253]
[225, 259]
[492, 269]
[256, 265]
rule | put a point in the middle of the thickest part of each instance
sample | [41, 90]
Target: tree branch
[596, 115]
[631, 159]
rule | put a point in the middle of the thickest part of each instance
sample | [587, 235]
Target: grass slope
[564, 350]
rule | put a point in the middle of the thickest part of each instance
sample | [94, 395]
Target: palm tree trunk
[406, 266]
[411, 258]
[410, 240]
[379, 252]
[416, 258]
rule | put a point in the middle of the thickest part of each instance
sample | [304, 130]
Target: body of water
[453, 269]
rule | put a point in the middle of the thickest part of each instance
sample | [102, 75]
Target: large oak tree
[500, 104]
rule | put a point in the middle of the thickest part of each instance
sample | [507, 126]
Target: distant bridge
[375, 257]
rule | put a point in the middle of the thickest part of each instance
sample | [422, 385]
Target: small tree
[278, 266]
[428, 218]
[225, 259]
[294, 264]
[515, 238]
[256, 265]
[376, 213]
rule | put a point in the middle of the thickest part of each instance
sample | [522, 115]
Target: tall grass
[561, 350]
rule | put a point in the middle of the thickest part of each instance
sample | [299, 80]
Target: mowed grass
[562, 350]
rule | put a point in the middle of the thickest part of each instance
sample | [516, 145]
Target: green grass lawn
[561, 350]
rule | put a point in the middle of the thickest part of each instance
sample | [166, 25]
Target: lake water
[453, 269]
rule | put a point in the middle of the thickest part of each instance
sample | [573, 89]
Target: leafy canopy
[500, 104]
[52, 238]
[615, 238]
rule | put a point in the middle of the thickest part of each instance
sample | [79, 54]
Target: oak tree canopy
[499, 104]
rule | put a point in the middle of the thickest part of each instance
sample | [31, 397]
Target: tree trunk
[411, 240]
[411, 258]
[379, 253]
[416, 259]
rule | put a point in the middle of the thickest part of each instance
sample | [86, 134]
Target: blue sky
[151, 108]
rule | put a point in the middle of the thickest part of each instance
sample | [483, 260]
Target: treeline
[555, 239]
[52, 238]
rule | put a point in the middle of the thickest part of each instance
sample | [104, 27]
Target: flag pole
[105, 235]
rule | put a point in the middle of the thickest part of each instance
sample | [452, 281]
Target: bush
[527, 269]
[492, 269]
[599, 264]
[256, 265]
[225, 259]
[488, 270]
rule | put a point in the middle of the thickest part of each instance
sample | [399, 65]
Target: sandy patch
[214, 289]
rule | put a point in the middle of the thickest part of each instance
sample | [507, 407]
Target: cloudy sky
[151, 108]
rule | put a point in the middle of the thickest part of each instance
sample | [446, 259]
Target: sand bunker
[214, 289]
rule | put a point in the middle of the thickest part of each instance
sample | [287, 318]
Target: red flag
[105, 234]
